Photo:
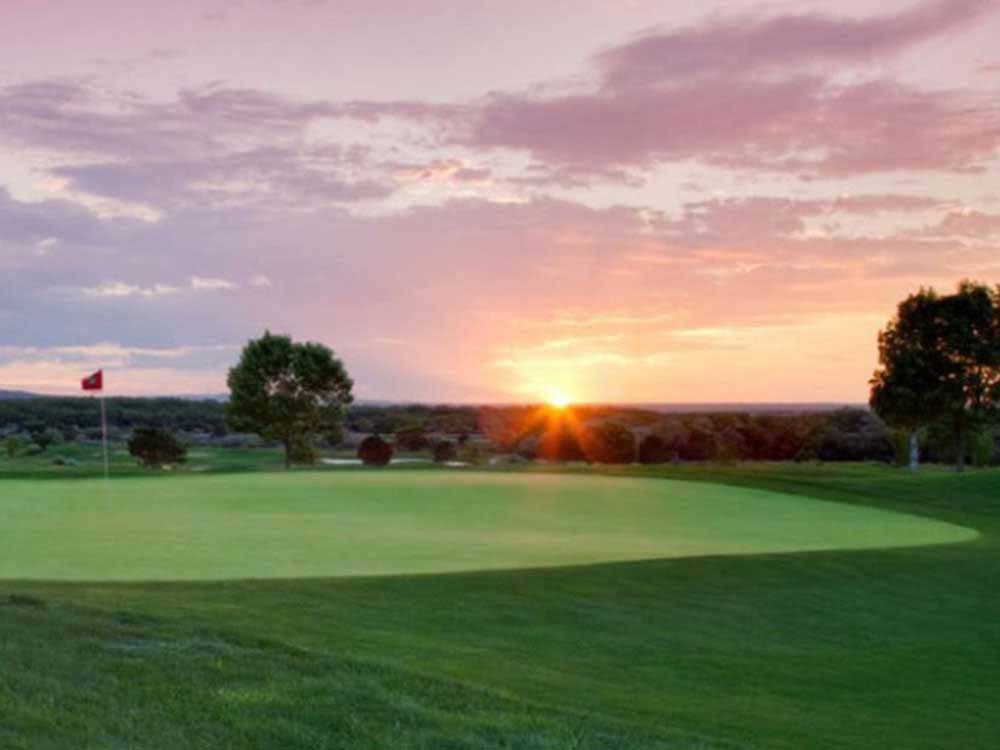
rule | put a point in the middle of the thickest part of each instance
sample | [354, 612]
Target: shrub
[156, 447]
[374, 451]
[444, 451]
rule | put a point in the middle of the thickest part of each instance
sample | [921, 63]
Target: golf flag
[93, 382]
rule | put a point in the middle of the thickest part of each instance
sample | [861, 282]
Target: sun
[558, 399]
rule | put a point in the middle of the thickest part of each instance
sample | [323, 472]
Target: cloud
[260, 281]
[973, 224]
[460, 285]
[205, 283]
[736, 45]
[121, 289]
[128, 370]
[742, 93]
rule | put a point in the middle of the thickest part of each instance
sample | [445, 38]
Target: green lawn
[838, 648]
[384, 523]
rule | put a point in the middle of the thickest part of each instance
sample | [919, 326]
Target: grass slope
[832, 649]
[377, 523]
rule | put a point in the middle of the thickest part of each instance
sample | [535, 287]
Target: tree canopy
[940, 362]
[288, 391]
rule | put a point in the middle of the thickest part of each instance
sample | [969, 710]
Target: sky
[622, 201]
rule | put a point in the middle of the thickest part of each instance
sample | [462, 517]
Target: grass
[301, 525]
[821, 649]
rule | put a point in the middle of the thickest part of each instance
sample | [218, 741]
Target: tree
[286, 391]
[444, 451]
[654, 450]
[412, 438]
[302, 451]
[609, 443]
[374, 451]
[940, 361]
[155, 447]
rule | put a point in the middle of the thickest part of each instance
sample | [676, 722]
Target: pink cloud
[739, 93]
[736, 45]
[968, 224]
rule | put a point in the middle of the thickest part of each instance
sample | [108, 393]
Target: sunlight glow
[558, 399]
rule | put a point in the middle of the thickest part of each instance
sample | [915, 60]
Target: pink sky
[624, 201]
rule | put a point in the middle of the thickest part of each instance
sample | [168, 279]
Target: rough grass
[377, 523]
[832, 649]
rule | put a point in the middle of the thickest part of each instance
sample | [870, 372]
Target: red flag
[93, 382]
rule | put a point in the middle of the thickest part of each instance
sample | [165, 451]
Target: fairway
[351, 523]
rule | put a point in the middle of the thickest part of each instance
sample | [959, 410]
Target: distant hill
[7, 395]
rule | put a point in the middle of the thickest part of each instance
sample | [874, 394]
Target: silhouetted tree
[940, 361]
[444, 451]
[411, 438]
[654, 450]
[609, 443]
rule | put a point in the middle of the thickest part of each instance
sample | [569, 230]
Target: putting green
[376, 523]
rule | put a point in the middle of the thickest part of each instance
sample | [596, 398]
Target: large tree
[940, 361]
[287, 391]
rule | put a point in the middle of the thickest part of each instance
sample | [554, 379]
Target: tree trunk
[959, 449]
[914, 451]
[288, 454]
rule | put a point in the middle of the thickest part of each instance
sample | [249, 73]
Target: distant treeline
[534, 432]
[83, 414]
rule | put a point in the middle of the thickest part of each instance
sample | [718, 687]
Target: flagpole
[104, 434]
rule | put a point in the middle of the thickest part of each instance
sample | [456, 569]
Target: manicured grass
[299, 525]
[824, 649]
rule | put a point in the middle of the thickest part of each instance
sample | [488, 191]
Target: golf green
[343, 523]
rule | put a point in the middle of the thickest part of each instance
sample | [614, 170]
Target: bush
[444, 451]
[374, 451]
[156, 447]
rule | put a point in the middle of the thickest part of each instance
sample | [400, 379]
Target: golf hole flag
[93, 382]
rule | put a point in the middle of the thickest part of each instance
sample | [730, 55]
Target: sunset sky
[622, 201]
